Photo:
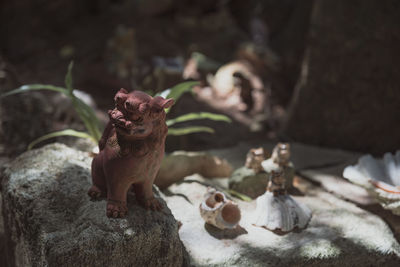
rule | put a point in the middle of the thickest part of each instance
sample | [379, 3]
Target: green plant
[176, 92]
[88, 117]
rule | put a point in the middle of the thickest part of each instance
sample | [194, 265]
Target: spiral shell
[218, 211]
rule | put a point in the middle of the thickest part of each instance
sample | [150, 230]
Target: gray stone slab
[49, 220]
[303, 156]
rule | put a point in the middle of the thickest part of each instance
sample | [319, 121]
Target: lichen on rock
[49, 220]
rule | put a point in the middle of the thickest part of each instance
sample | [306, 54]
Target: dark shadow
[282, 233]
[294, 191]
[351, 253]
[193, 181]
[391, 219]
[224, 234]
[168, 193]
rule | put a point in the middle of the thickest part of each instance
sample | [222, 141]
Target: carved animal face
[136, 113]
[254, 158]
[277, 177]
[281, 153]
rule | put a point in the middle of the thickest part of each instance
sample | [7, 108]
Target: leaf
[68, 78]
[32, 87]
[177, 91]
[85, 112]
[87, 116]
[198, 116]
[67, 132]
[239, 195]
[189, 130]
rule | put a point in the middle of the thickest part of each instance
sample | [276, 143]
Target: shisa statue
[131, 151]
[218, 211]
[278, 211]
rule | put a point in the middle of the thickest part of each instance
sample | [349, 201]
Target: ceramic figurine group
[131, 151]
[276, 210]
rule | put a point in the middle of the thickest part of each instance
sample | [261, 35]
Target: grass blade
[68, 78]
[198, 116]
[189, 130]
[33, 87]
[177, 91]
[87, 116]
[67, 132]
[239, 195]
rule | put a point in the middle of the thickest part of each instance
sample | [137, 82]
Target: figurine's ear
[122, 90]
[168, 103]
[143, 107]
[161, 102]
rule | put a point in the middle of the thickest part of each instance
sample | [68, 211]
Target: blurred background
[325, 73]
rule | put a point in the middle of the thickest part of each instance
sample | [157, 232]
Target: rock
[303, 156]
[49, 220]
[339, 234]
[246, 181]
[180, 164]
[3, 254]
[357, 84]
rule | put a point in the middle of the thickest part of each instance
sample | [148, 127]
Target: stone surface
[180, 164]
[304, 157]
[49, 220]
[339, 234]
[3, 261]
[246, 181]
[347, 96]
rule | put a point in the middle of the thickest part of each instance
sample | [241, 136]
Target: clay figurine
[254, 158]
[218, 211]
[280, 159]
[131, 151]
[251, 179]
[276, 210]
[276, 183]
[281, 154]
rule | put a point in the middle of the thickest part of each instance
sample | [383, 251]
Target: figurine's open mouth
[138, 131]
[122, 129]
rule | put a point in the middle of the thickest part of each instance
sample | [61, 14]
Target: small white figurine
[281, 159]
[278, 211]
[254, 158]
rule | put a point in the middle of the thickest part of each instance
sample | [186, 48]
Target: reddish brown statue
[131, 151]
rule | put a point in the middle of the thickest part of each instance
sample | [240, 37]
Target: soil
[116, 43]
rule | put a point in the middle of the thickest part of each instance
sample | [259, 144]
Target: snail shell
[218, 211]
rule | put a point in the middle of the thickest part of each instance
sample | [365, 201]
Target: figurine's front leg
[144, 195]
[116, 198]
[98, 189]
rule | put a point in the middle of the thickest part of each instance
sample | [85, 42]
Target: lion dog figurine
[131, 150]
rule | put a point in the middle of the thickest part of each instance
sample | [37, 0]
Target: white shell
[214, 215]
[280, 212]
[381, 177]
